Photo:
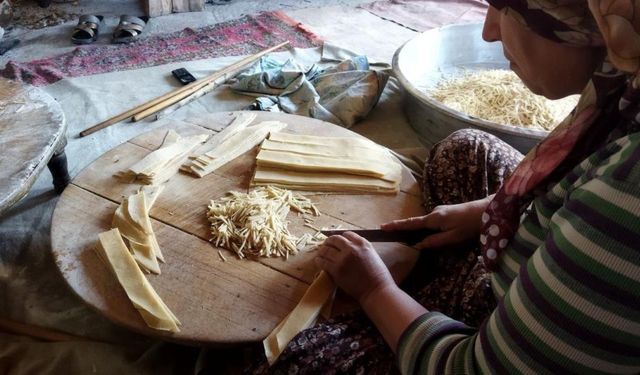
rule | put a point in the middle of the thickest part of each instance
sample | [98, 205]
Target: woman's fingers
[334, 249]
[405, 224]
[327, 257]
[433, 220]
[339, 242]
[330, 251]
[353, 237]
[321, 262]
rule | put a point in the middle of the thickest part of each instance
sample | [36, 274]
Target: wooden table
[32, 136]
[219, 302]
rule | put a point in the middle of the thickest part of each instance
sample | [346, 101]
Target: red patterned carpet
[247, 35]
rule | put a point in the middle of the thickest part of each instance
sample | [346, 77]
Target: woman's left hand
[354, 265]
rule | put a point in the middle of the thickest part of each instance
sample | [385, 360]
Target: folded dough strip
[301, 317]
[140, 242]
[151, 193]
[132, 219]
[144, 298]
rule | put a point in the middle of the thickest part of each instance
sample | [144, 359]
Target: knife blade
[410, 237]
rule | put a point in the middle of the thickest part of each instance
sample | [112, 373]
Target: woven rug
[244, 36]
[422, 15]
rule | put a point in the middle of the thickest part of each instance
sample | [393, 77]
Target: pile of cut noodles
[500, 96]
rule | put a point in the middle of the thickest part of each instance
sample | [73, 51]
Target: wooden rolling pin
[146, 109]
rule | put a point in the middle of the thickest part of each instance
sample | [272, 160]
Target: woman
[557, 286]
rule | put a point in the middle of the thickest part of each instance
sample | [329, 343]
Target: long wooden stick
[174, 96]
[213, 81]
[201, 92]
[225, 74]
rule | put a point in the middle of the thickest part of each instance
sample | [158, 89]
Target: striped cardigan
[568, 285]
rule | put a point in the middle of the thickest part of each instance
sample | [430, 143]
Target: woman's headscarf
[609, 106]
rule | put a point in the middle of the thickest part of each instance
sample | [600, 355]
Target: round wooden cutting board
[223, 302]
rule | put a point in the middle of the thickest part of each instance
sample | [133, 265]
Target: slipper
[129, 28]
[6, 45]
[87, 29]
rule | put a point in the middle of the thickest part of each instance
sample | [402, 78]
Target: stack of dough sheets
[158, 166]
[132, 219]
[231, 145]
[238, 124]
[153, 310]
[340, 164]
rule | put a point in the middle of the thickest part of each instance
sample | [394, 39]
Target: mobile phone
[183, 76]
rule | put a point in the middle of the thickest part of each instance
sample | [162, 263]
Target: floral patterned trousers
[467, 165]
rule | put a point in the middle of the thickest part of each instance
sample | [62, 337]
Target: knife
[410, 237]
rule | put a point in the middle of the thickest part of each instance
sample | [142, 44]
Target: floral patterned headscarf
[609, 106]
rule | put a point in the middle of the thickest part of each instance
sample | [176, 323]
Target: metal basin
[444, 52]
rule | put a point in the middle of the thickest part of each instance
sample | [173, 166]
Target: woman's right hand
[456, 223]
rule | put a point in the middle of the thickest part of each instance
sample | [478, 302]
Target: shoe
[129, 29]
[87, 29]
